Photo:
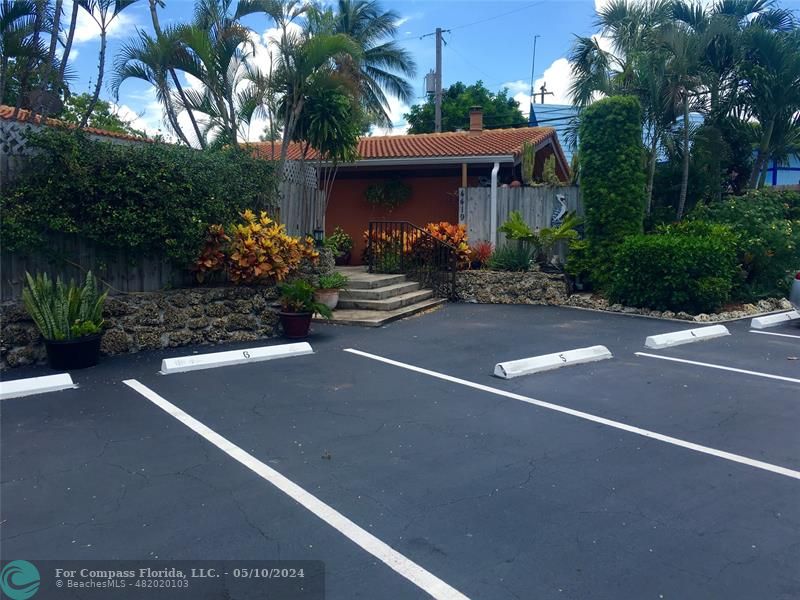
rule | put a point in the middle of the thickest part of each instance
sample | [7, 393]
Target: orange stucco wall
[434, 197]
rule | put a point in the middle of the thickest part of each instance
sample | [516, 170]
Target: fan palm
[383, 67]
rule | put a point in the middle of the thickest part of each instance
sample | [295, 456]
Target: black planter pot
[73, 354]
[295, 325]
[342, 259]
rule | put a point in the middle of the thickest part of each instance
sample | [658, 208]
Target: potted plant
[329, 287]
[69, 317]
[341, 244]
[297, 307]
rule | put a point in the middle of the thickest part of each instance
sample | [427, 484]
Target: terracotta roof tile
[489, 142]
[7, 114]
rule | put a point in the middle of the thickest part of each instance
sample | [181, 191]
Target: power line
[499, 16]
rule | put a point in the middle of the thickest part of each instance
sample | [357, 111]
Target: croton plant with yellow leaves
[455, 235]
[259, 249]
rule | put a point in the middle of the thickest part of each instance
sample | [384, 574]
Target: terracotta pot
[295, 325]
[73, 354]
[329, 298]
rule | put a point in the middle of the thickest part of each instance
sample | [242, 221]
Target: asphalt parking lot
[394, 456]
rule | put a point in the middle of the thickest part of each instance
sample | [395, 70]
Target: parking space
[608, 480]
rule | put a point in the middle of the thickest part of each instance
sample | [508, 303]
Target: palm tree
[148, 59]
[17, 18]
[305, 61]
[102, 12]
[384, 66]
[771, 85]
[636, 65]
[683, 79]
[73, 23]
[216, 48]
[720, 30]
[169, 105]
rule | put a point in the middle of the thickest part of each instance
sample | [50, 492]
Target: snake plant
[64, 311]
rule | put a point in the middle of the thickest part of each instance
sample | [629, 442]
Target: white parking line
[737, 458]
[720, 367]
[380, 550]
[789, 335]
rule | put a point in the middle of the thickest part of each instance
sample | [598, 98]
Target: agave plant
[64, 311]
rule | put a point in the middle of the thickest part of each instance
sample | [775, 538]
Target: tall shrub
[612, 182]
[143, 199]
[767, 225]
[680, 269]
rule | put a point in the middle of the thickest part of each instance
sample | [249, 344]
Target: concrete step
[380, 293]
[392, 303]
[376, 318]
[370, 281]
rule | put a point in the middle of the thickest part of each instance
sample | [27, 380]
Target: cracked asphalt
[496, 497]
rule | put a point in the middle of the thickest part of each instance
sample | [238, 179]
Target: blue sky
[489, 40]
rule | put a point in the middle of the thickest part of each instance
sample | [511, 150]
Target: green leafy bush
[64, 311]
[340, 242]
[767, 228]
[676, 269]
[333, 281]
[144, 199]
[298, 297]
[516, 256]
[612, 182]
[388, 194]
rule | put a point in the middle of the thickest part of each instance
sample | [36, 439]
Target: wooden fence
[536, 204]
[301, 210]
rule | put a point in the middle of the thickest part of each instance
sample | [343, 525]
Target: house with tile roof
[433, 166]
[25, 116]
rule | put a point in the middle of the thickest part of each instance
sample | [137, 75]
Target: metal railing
[402, 247]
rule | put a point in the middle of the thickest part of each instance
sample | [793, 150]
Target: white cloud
[557, 76]
[87, 29]
[148, 119]
[396, 111]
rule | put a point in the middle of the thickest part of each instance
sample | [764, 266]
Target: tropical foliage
[734, 63]
[256, 250]
[613, 182]
[298, 297]
[499, 109]
[142, 199]
[456, 236]
[64, 311]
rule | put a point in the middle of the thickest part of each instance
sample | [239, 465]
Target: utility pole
[438, 92]
[437, 77]
[543, 92]
[532, 120]
[533, 65]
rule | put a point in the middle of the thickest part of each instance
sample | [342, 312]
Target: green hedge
[767, 228]
[145, 199]
[688, 269]
[612, 182]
